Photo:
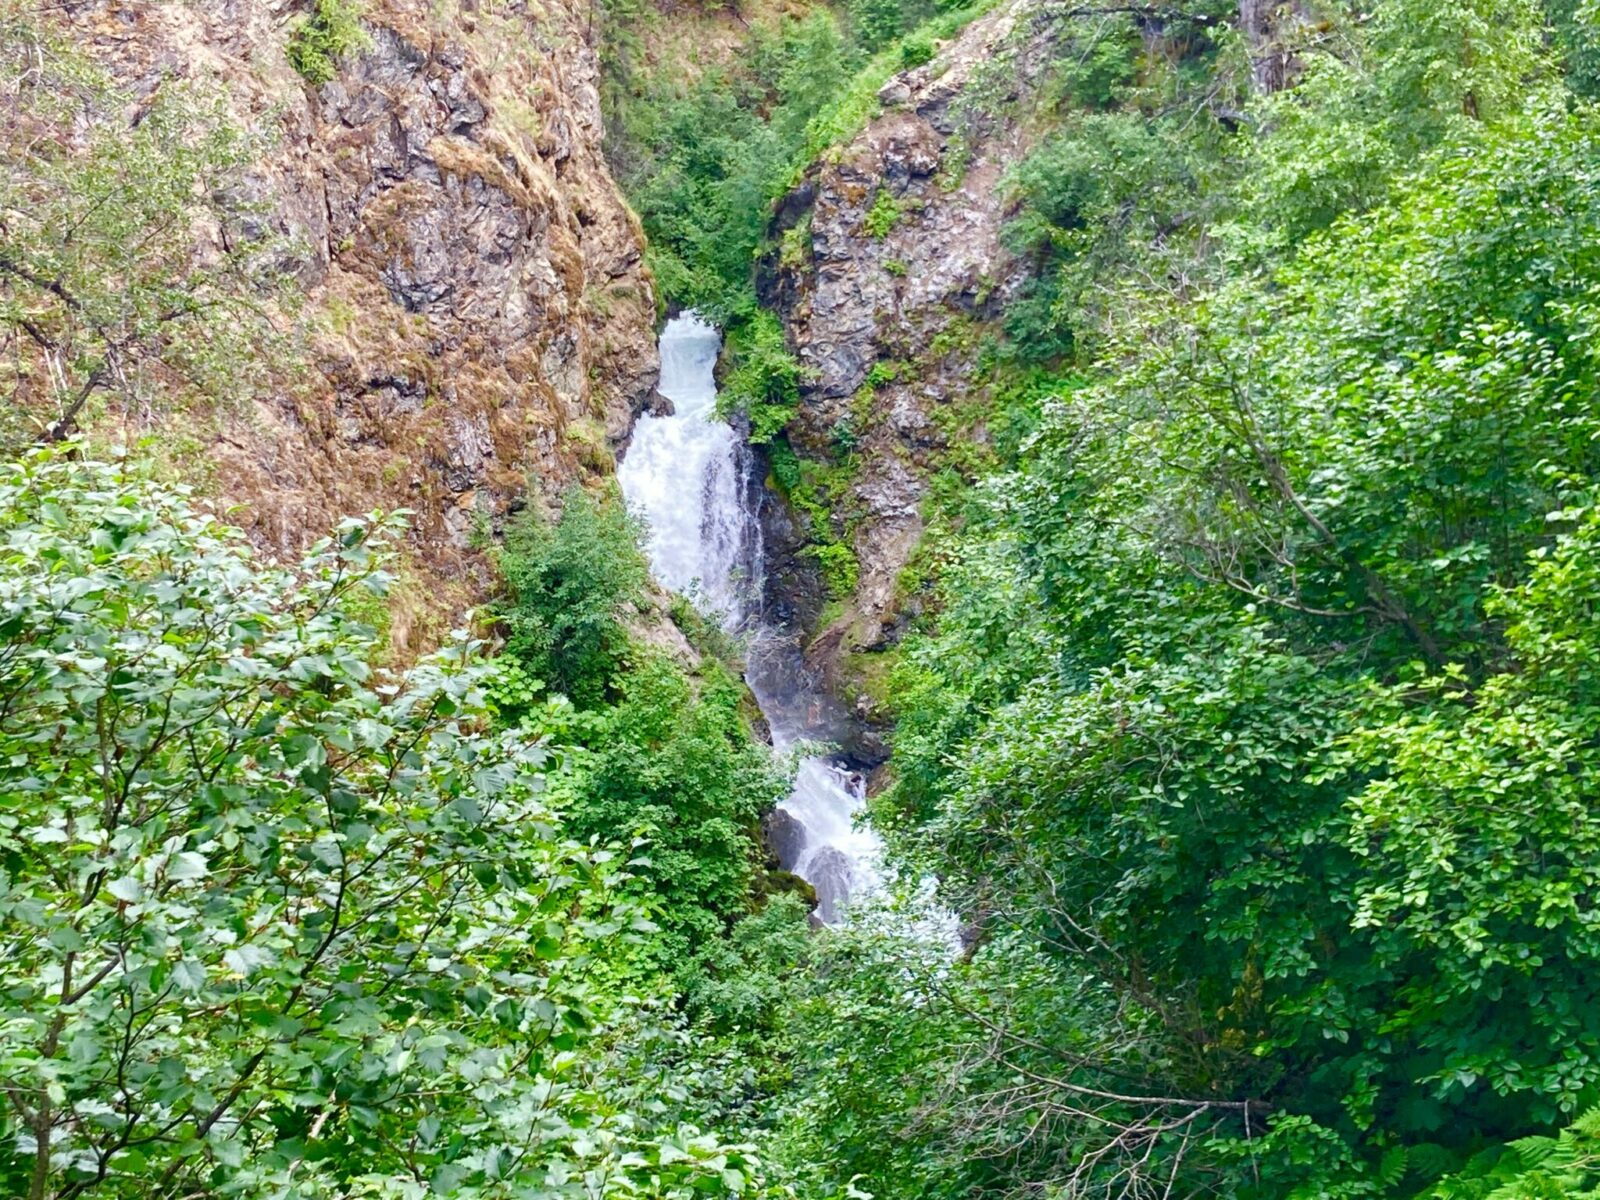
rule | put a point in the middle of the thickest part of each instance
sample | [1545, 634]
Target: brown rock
[915, 299]
[474, 284]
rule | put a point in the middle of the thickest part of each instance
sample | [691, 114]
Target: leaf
[127, 889]
[187, 865]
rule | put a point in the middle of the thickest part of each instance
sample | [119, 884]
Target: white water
[684, 474]
[688, 475]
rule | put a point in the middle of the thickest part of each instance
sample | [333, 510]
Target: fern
[1564, 1167]
[1392, 1168]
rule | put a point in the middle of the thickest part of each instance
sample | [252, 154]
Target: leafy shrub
[916, 51]
[701, 163]
[321, 41]
[877, 22]
[672, 763]
[784, 464]
[840, 569]
[568, 583]
[1270, 668]
[100, 291]
[653, 754]
[761, 378]
[1533, 1168]
[275, 923]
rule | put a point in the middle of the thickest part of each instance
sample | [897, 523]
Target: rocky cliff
[889, 270]
[478, 318]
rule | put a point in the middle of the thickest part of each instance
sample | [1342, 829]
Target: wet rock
[785, 837]
[832, 875]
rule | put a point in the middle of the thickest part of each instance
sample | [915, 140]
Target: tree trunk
[1271, 64]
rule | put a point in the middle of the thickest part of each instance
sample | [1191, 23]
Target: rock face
[891, 265]
[480, 320]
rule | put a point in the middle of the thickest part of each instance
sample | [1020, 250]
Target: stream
[692, 479]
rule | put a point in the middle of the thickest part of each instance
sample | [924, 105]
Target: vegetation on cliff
[1252, 727]
[1249, 725]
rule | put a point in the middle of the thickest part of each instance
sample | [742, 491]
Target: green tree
[103, 289]
[569, 581]
[274, 923]
[1247, 690]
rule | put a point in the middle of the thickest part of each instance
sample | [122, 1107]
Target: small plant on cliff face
[763, 378]
[320, 41]
[794, 251]
[102, 298]
[882, 217]
[841, 571]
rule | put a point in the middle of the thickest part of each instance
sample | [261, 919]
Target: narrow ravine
[690, 476]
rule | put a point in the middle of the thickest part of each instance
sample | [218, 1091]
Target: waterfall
[688, 476]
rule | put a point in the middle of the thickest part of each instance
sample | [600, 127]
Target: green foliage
[745, 984]
[1412, 78]
[883, 216]
[671, 762]
[1577, 40]
[653, 754]
[1263, 682]
[916, 51]
[703, 162]
[274, 923]
[904, 1072]
[1255, 734]
[323, 40]
[102, 293]
[840, 569]
[1533, 1168]
[568, 582]
[760, 378]
[848, 110]
[876, 22]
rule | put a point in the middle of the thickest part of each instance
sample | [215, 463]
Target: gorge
[528, 527]
[690, 477]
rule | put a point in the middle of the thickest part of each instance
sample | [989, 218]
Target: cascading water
[688, 475]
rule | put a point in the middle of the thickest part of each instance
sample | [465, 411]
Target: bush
[569, 582]
[761, 379]
[323, 39]
[671, 762]
[273, 923]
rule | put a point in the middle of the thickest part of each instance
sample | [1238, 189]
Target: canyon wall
[888, 271]
[476, 319]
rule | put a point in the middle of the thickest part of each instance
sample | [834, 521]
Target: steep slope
[889, 269]
[478, 318]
